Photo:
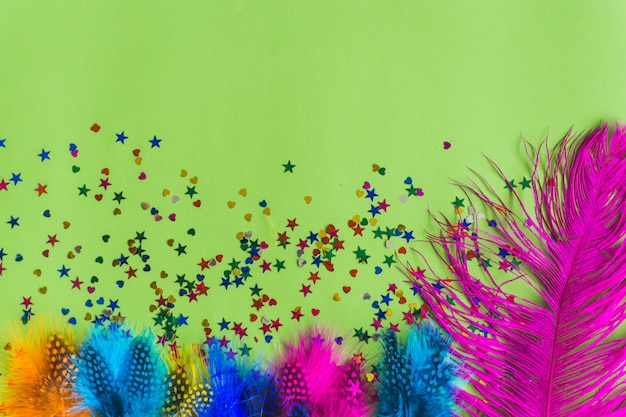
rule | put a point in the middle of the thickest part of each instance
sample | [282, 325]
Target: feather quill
[555, 355]
[39, 373]
[317, 378]
[420, 378]
[120, 375]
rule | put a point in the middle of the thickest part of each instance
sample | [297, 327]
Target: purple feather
[553, 354]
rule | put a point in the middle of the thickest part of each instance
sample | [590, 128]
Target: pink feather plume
[319, 378]
[555, 353]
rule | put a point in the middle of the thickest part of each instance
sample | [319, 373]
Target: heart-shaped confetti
[315, 312]
[95, 128]
[346, 289]
[308, 199]
[142, 176]
[447, 145]
[42, 290]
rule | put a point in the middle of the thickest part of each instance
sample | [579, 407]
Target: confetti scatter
[143, 228]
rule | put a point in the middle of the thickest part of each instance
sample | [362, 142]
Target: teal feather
[119, 375]
[420, 378]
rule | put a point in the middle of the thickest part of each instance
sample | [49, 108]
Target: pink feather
[319, 378]
[554, 354]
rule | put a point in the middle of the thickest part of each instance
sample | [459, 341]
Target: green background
[235, 89]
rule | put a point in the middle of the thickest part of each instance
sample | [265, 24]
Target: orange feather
[39, 374]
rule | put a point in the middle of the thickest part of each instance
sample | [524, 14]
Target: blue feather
[419, 379]
[119, 375]
[260, 394]
[238, 389]
[226, 386]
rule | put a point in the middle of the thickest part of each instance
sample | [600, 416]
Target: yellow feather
[187, 383]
